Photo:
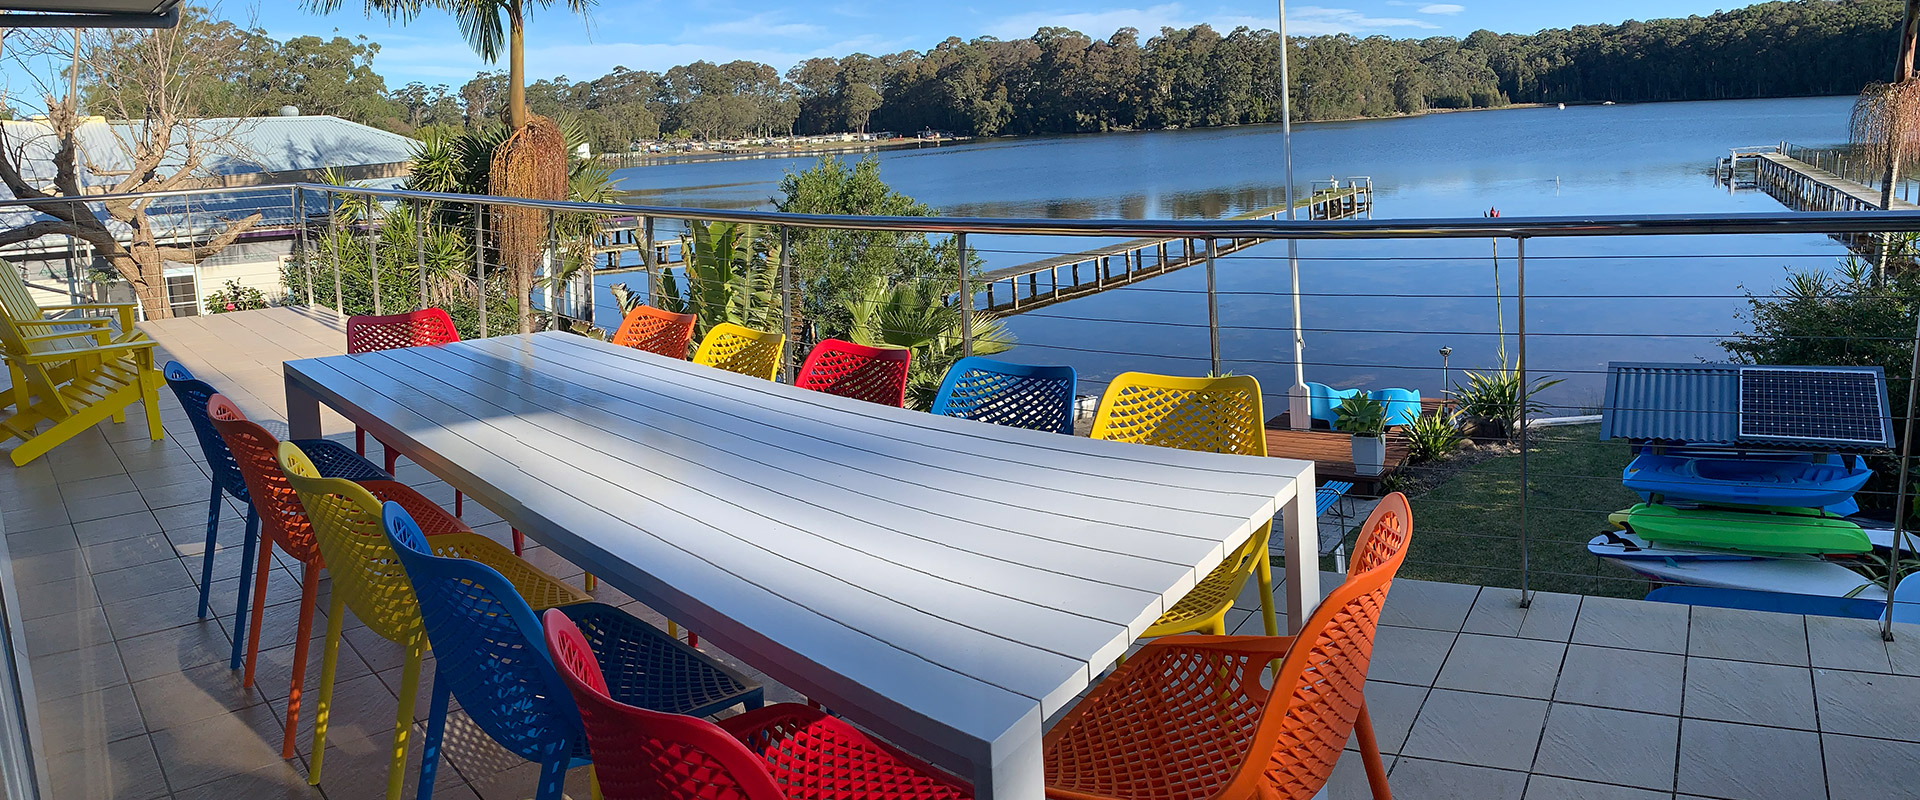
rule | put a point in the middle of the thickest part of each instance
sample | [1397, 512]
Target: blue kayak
[1779, 481]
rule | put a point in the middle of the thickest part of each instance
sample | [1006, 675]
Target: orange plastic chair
[284, 522]
[656, 331]
[1189, 717]
[367, 577]
[736, 348]
[1215, 415]
[873, 374]
[368, 334]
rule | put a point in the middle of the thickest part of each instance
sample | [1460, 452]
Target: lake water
[1377, 312]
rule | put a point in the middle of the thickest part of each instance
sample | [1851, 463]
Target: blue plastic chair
[334, 460]
[490, 652]
[1403, 405]
[1015, 395]
[1321, 400]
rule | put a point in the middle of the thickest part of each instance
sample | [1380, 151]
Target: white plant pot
[1369, 455]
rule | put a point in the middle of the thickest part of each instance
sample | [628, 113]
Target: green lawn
[1467, 529]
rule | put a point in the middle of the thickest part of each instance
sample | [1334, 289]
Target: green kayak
[1753, 529]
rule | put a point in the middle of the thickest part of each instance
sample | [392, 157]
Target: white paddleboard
[1790, 575]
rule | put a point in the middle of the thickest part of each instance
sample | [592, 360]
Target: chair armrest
[93, 321]
[100, 350]
[115, 307]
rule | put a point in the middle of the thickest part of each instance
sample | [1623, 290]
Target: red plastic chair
[283, 522]
[873, 374]
[656, 331]
[781, 752]
[1190, 718]
[367, 334]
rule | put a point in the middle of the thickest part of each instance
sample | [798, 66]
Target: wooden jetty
[1038, 284]
[1801, 186]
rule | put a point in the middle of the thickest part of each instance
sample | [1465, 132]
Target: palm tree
[1886, 121]
[486, 24]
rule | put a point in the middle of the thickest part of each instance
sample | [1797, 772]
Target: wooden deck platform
[1332, 451]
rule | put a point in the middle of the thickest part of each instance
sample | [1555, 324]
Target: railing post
[480, 262]
[1213, 309]
[306, 255]
[373, 258]
[333, 243]
[420, 248]
[552, 269]
[1520, 414]
[647, 260]
[1901, 495]
[966, 294]
[786, 300]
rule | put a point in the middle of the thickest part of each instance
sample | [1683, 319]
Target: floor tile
[1904, 650]
[363, 708]
[1632, 624]
[1349, 778]
[1502, 665]
[1862, 704]
[178, 494]
[133, 552]
[182, 699]
[142, 581]
[87, 669]
[174, 650]
[1743, 635]
[1393, 707]
[1870, 768]
[58, 597]
[1719, 759]
[1428, 604]
[1608, 746]
[283, 781]
[1547, 787]
[112, 505]
[58, 633]
[1482, 729]
[1750, 693]
[1840, 643]
[32, 571]
[358, 767]
[1631, 680]
[89, 720]
[1497, 612]
[124, 770]
[72, 491]
[41, 541]
[144, 615]
[219, 746]
[1408, 655]
[113, 529]
[1438, 780]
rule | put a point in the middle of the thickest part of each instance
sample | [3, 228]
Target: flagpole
[1298, 407]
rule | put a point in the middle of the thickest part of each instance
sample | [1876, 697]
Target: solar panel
[1803, 404]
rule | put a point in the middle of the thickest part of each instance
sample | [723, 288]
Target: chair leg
[553, 776]
[360, 440]
[436, 728]
[259, 608]
[693, 639]
[329, 658]
[1370, 756]
[593, 784]
[1263, 571]
[309, 591]
[206, 559]
[393, 457]
[459, 504]
[592, 582]
[403, 722]
[519, 541]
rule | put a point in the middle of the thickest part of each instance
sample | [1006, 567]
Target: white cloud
[1301, 21]
[762, 24]
[1442, 8]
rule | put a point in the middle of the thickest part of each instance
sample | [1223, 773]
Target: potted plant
[1365, 419]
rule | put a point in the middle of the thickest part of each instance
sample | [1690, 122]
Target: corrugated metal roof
[227, 145]
[1685, 404]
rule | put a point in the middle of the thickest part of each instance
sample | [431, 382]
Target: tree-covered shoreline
[1064, 81]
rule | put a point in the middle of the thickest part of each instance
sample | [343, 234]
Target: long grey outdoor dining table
[945, 583]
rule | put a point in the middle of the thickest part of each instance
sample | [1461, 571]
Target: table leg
[303, 412]
[1020, 775]
[1301, 532]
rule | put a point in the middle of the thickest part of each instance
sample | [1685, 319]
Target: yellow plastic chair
[736, 348]
[72, 388]
[1215, 415]
[368, 578]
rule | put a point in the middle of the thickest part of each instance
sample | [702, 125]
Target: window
[183, 294]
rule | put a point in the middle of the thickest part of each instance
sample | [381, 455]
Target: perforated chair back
[488, 648]
[736, 348]
[428, 326]
[1015, 395]
[1321, 400]
[1402, 405]
[648, 754]
[256, 452]
[348, 529]
[194, 394]
[873, 374]
[1215, 415]
[656, 330]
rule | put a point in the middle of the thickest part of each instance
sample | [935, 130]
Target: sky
[657, 34]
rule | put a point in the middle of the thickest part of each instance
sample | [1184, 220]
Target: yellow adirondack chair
[73, 387]
[33, 321]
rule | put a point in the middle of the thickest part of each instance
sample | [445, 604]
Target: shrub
[1496, 396]
[234, 297]
[1434, 436]
[1361, 416]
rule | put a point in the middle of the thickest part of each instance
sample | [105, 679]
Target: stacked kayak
[1761, 522]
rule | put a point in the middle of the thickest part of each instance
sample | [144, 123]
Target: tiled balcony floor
[1472, 696]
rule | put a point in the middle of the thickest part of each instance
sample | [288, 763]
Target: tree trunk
[517, 65]
[148, 281]
[1909, 30]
